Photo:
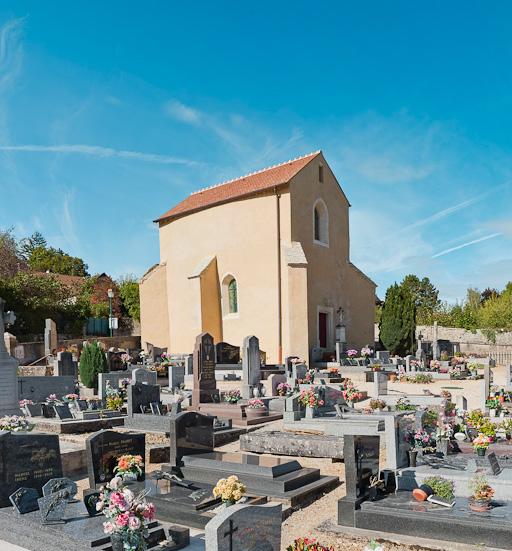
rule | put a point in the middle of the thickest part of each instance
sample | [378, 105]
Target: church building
[266, 254]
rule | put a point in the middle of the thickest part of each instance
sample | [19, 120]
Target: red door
[322, 329]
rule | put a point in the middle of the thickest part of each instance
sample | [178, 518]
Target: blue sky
[111, 112]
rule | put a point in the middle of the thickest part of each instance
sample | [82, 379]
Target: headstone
[288, 364]
[65, 485]
[436, 352]
[408, 366]
[380, 383]
[8, 369]
[63, 412]
[140, 397]
[419, 419]
[298, 373]
[38, 388]
[33, 410]
[251, 367]
[176, 376]
[227, 353]
[105, 447]
[292, 411]
[383, 356]
[28, 461]
[190, 433]
[112, 378]
[245, 527]
[66, 365]
[50, 337]
[204, 386]
[24, 500]
[143, 375]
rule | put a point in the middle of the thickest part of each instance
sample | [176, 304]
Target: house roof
[239, 187]
[73, 283]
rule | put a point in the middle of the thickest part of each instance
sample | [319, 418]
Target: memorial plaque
[28, 461]
[64, 485]
[204, 386]
[494, 463]
[105, 447]
[91, 498]
[63, 412]
[53, 507]
[141, 396]
[24, 500]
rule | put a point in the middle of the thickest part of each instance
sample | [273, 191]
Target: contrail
[485, 238]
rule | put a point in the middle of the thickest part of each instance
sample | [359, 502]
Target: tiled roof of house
[239, 187]
[73, 283]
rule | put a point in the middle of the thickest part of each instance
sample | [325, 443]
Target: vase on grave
[413, 456]
[310, 412]
[229, 502]
[481, 452]
[256, 412]
[128, 541]
[479, 506]
[442, 445]
[256, 392]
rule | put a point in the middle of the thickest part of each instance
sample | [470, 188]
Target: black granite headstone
[204, 383]
[63, 412]
[105, 447]
[66, 364]
[190, 433]
[227, 353]
[82, 405]
[24, 500]
[140, 397]
[28, 461]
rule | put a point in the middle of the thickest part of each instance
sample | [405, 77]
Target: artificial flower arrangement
[351, 393]
[255, 403]
[481, 442]
[232, 396]
[435, 365]
[419, 440]
[127, 515]
[15, 423]
[309, 398]
[25, 402]
[443, 431]
[126, 358]
[230, 490]
[309, 378]
[114, 398]
[366, 351]
[283, 389]
[129, 465]
[403, 404]
[376, 367]
[333, 370]
[53, 400]
[165, 358]
[123, 383]
[352, 353]
[307, 544]
[70, 397]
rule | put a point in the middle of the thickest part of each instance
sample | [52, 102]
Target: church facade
[266, 254]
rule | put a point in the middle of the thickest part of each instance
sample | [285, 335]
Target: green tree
[10, 260]
[425, 295]
[44, 259]
[92, 362]
[398, 320]
[130, 299]
[27, 245]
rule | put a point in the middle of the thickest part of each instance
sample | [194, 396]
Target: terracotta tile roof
[239, 187]
[73, 283]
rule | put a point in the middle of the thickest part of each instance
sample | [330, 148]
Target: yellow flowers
[229, 489]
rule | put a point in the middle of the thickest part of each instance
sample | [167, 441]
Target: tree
[27, 245]
[425, 295]
[488, 293]
[130, 299]
[92, 362]
[398, 320]
[43, 259]
[10, 261]
[100, 284]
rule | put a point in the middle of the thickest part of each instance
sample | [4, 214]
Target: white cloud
[181, 112]
[98, 151]
[11, 51]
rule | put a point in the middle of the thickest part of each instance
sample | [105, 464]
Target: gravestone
[408, 365]
[292, 410]
[176, 376]
[380, 384]
[24, 500]
[38, 388]
[245, 527]
[419, 419]
[227, 353]
[251, 367]
[112, 378]
[8, 368]
[140, 397]
[383, 356]
[190, 433]
[33, 410]
[361, 455]
[288, 364]
[105, 447]
[298, 373]
[27, 461]
[204, 385]
[494, 464]
[66, 365]
[50, 337]
[63, 412]
[143, 375]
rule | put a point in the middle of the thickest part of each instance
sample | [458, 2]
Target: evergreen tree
[398, 320]
[92, 362]
[28, 244]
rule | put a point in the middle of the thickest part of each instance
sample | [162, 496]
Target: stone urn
[255, 413]
[310, 412]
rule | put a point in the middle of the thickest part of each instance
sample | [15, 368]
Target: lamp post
[110, 294]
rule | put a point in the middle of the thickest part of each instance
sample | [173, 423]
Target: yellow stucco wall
[154, 321]
[242, 237]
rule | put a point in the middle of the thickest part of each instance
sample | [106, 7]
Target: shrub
[440, 486]
[92, 362]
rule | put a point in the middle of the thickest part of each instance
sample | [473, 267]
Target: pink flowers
[122, 519]
[149, 511]
[108, 528]
[352, 353]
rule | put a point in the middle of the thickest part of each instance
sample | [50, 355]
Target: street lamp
[110, 294]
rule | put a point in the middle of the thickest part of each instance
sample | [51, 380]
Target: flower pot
[421, 493]
[255, 413]
[310, 412]
[442, 445]
[479, 506]
[460, 436]
[492, 412]
[229, 502]
[413, 456]
[481, 451]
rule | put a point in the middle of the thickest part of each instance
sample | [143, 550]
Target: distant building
[266, 254]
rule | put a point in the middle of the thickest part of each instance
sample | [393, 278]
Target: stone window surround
[323, 221]
[226, 280]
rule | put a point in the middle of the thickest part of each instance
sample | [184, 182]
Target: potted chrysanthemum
[481, 443]
[130, 467]
[230, 490]
[482, 494]
[256, 408]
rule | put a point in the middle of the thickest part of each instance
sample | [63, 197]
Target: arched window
[320, 223]
[229, 295]
[233, 297]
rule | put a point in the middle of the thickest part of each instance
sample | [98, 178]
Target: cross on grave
[230, 533]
